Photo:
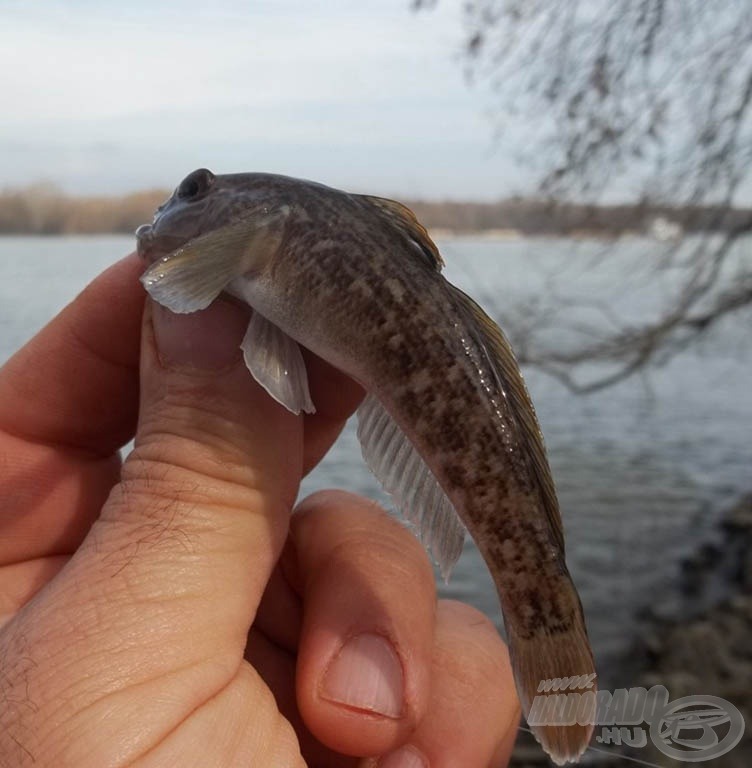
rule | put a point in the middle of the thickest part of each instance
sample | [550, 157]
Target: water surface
[642, 469]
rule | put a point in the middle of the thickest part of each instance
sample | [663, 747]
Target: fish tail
[556, 683]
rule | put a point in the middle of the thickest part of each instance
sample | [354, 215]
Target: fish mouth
[144, 241]
[151, 246]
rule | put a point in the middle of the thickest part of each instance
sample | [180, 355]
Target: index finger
[75, 384]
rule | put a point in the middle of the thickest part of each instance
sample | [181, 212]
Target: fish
[447, 424]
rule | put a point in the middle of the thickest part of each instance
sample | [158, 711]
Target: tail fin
[555, 677]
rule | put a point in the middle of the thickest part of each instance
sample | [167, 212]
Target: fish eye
[195, 184]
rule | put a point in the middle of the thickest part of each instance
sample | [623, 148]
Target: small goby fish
[447, 424]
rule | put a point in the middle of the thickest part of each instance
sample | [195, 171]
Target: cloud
[104, 60]
[310, 84]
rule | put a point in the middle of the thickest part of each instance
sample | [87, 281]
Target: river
[642, 468]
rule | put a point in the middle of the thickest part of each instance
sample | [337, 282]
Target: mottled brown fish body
[368, 305]
[387, 318]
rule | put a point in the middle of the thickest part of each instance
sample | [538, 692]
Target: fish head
[202, 202]
[211, 231]
[179, 219]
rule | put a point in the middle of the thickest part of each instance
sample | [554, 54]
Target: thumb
[185, 545]
[215, 468]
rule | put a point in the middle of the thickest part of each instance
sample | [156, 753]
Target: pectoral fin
[275, 361]
[407, 478]
[191, 277]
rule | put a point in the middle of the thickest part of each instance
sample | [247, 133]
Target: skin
[169, 611]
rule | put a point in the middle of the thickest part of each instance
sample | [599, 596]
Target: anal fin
[406, 477]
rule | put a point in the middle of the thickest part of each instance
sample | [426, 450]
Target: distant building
[664, 229]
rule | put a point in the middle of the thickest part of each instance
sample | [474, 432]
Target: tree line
[42, 209]
[45, 210]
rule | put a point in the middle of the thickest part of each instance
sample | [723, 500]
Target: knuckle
[336, 526]
[469, 648]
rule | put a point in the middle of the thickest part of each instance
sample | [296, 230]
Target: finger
[364, 655]
[181, 553]
[75, 384]
[213, 437]
[68, 401]
[277, 668]
[50, 497]
[336, 397]
[21, 581]
[473, 713]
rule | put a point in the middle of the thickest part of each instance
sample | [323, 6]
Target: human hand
[169, 611]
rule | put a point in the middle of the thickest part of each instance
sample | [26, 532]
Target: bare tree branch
[649, 99]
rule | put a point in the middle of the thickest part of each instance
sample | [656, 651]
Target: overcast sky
[106, 96]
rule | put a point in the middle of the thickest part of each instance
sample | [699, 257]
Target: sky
[107, 97]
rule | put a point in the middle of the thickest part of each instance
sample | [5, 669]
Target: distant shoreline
[45, 210]
[437, 234]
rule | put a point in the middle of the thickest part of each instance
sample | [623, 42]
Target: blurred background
[584, 168]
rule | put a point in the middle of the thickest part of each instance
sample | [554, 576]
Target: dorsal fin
[401, 217]
[498, 357]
